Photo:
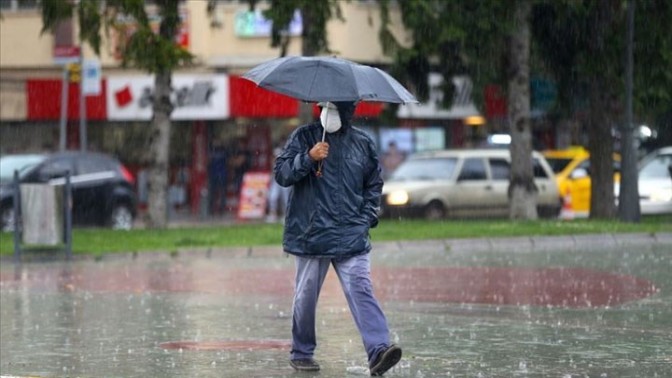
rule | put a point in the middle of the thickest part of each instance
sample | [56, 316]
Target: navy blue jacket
[330, 216]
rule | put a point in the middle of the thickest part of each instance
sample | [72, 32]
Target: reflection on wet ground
[599, 312]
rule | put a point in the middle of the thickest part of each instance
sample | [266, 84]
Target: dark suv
[103, 191]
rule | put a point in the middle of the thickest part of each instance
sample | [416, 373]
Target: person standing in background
[278, 195]
[217, 176]
[392, 158]
[240, 162]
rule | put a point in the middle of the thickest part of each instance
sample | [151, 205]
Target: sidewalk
[590, 305]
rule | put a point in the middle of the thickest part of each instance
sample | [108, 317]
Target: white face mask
[330, 119]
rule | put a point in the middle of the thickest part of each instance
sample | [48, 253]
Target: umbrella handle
[324, 134]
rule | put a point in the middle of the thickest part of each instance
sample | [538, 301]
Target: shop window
[18, 5]
[27, 4]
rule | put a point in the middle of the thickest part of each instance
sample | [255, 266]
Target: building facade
[215, 108]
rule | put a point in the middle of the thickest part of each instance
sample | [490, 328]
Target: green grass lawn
[99, 241]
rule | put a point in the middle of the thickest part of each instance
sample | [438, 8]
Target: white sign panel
[403, 138]
[195, 97]
[91, 76]
[462, 106]
[430, 138]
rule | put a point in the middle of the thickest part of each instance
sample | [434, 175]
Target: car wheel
[121, 218]
[434, 211]
[7, 219]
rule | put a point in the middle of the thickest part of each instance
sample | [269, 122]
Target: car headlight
[397, 198]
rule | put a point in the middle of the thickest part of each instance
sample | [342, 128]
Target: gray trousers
[354, 274]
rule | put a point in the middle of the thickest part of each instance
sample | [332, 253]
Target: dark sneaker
[304, 364]
[385, 360]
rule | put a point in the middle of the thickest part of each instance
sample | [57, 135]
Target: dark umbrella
[316, 79]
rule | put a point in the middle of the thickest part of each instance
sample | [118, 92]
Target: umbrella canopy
[315, 79]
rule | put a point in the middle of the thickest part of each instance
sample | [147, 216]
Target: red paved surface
[568, 287]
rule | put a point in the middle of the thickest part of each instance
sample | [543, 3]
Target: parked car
[103, 191]
[462, 183]
[571, 167]
[655, 182]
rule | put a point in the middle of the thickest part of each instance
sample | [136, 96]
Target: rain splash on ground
[502, 312]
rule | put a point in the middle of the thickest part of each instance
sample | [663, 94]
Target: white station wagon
[469, 183]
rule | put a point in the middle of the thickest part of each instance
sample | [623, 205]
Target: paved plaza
[583, 306]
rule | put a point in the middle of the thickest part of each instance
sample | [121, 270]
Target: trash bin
[42, 214]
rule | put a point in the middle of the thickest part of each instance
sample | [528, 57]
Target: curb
[503, 244]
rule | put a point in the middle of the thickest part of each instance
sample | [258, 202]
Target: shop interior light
[499, 139]
[474, 121]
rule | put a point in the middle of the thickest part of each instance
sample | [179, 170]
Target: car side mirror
[578, 173]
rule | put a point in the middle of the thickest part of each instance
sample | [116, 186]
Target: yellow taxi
[572, 173]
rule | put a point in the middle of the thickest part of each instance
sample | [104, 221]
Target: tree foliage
[451, 38]
[488, 41]
[579, 43]
[315, 15]
[147, 49]
[583, 45]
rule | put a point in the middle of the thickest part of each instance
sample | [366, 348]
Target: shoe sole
[390, 358]
[304, 368]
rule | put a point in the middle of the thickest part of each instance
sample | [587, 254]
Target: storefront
[215, 116]
[200, 101]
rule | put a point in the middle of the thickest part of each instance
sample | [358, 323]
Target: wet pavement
[584, 306]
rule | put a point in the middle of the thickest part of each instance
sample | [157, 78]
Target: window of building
[18, 5]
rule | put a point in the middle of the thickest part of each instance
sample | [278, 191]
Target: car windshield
[657, 168]
[425, 169]
[558, 164]
[21, 163]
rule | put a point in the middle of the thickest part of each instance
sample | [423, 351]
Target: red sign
[495, 102]
[254, 195]
[66, 51]
[44, 101]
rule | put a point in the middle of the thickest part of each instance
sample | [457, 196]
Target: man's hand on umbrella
[319, 151]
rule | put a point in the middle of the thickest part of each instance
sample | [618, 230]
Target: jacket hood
[346, 110]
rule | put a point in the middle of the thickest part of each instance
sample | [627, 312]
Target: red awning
[44, 101]
[364, 109]
[248, 100]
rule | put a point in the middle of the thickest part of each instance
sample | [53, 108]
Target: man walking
[336, 182]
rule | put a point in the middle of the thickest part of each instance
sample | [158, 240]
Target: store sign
[254, 195]
[254, 24]
[462, 105]
[92, 77]
[195, 97]
[66, 54]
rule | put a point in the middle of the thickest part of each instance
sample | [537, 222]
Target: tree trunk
[159, 148]
[600, 139]
[522, 189]
[601, 147]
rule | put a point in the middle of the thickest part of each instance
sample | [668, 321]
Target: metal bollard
[16, 220]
